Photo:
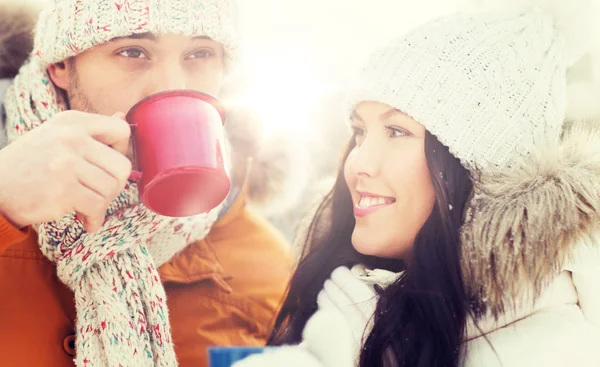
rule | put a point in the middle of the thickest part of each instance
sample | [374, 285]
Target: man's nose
[166, 76]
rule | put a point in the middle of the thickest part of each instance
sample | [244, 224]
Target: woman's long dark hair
[420, 320]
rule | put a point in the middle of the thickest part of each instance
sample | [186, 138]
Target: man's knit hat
[486, 84]
[68, 27]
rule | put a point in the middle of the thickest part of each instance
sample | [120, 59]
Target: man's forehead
[150, 36]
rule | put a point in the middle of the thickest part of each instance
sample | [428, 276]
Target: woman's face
[389, 181]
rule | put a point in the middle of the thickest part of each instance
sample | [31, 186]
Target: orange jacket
[223, 290]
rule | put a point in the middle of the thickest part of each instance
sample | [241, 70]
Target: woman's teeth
[369, 201]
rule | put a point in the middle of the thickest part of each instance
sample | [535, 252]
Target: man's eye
[201, 54]
[133, 53]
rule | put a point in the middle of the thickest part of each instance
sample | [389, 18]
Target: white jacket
[562, 329]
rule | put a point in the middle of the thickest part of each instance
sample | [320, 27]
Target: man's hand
[73, 162]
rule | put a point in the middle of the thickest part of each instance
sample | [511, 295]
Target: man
[103, 281]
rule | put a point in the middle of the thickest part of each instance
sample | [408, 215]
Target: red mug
[179, 149]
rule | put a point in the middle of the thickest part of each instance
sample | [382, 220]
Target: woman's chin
[369, 246]
[364, 251]
[366, 247]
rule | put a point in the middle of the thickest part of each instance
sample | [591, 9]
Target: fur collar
[524, 224]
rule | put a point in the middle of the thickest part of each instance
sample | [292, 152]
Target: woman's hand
[327, 343]
[353, 299]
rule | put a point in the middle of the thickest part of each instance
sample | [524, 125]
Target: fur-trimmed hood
[17, 21]
[524, 224]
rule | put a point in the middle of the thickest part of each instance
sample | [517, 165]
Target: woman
[473, 200]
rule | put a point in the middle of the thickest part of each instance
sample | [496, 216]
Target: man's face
[114, 76]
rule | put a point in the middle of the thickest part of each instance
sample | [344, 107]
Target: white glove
[333, 336]
[354, 299]
[327, 343]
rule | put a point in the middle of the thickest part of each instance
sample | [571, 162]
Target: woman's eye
[358, 134]
[133, 54]
[357, 131]
[395, 132]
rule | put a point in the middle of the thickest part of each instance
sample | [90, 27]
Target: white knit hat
[486, 84]
[72, 26]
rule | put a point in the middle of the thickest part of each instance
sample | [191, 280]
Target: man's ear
[60, 74]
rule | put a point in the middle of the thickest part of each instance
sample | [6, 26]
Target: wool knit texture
[70, 26]
[486, 84]
[122, 315]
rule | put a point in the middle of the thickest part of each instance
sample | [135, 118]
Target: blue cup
[227, 356]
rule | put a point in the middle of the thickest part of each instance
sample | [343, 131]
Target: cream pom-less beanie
[486, 84]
